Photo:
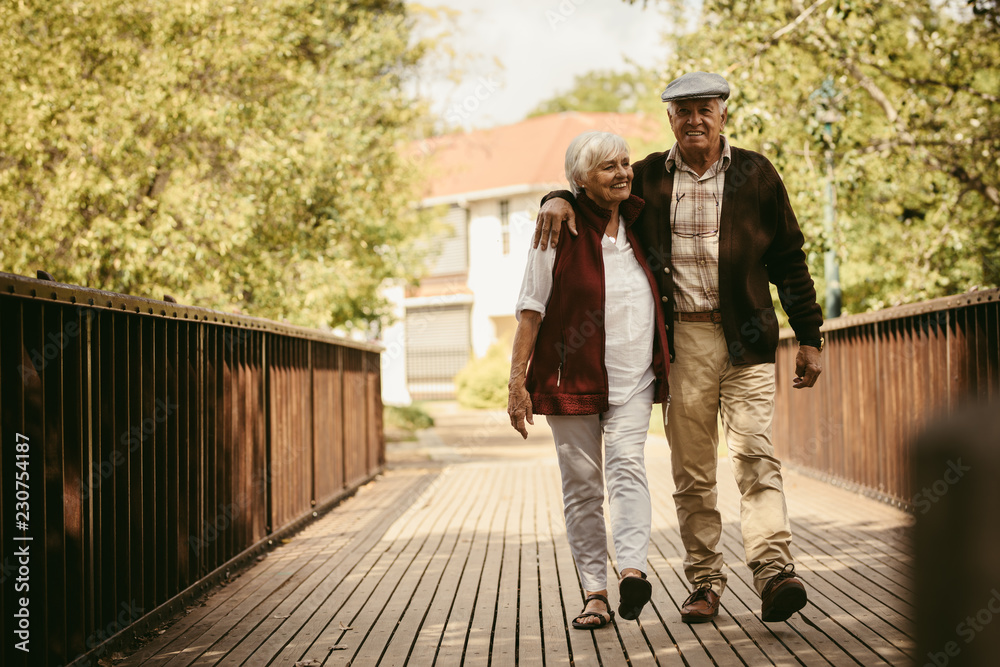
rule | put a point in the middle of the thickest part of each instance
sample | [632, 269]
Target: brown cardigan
[759, 242]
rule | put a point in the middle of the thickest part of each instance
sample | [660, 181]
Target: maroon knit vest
[566, 375]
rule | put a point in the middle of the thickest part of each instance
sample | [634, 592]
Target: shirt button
[702, 262]
[700, 207]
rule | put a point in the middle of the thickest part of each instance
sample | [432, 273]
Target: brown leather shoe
[783, 595]
[701, 606]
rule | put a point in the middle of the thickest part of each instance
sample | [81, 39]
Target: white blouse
[629, 315]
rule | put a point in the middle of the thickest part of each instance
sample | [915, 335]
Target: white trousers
[578, 446]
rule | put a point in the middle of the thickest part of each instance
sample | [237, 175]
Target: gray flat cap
[695, 85]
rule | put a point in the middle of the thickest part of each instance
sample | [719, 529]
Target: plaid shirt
[696, 209]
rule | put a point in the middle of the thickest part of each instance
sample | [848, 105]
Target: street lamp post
[828, 115]
[831, 267]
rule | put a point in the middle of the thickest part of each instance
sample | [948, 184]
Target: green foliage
[625, 92]
[233, 153]
[404, 421]
[482, 384]
[915, 88]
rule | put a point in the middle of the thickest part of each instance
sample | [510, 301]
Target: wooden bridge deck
[457, 555]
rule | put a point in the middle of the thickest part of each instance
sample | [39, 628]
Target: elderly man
[717, 227]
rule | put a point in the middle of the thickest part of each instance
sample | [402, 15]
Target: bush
[402, 422]
[482, 384]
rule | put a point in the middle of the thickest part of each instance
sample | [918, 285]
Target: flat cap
[695, 85]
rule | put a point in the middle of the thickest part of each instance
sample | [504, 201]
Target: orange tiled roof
[531, 152]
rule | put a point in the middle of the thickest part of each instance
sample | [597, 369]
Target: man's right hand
[548, 224]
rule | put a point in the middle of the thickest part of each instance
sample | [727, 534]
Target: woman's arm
[518, 400]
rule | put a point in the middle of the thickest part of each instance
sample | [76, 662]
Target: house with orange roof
[488, 184]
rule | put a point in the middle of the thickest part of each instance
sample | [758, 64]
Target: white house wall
[394, 387]
[495, 278]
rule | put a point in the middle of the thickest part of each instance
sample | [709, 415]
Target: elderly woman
[590, 352]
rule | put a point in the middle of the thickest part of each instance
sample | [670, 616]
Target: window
[505, 225]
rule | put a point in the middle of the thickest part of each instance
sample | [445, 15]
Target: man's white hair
[588, 150]
[723, 106]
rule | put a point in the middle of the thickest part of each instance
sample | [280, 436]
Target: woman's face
[610, 182]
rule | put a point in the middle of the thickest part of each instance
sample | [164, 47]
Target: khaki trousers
[703, 383]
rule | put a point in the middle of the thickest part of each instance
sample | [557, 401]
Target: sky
[512, 54]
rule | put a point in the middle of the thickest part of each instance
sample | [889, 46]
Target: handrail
[938, 305]
[33, 288]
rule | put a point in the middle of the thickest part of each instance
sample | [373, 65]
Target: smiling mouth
[695, 134]
[619, 186]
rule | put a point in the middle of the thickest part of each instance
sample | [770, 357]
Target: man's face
[697, 125]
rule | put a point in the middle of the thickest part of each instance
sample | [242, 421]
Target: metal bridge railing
[148, 447]
[886, 376]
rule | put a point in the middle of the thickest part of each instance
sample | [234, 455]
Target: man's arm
[788, 270]
[557, 208]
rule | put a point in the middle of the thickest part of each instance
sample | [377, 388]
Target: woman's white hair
[588, 150]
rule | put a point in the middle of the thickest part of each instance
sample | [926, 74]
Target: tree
[625, 92]
[916, 86]
[234, 153]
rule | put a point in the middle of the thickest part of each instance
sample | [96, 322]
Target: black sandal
[633, 592]
[587, 614]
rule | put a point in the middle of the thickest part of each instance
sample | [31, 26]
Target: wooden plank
[854, 532]
[781, 644]
[457, 637]
[555, 632]
[445, 512]
[335, 594]
[374, 508]
[480, 635]
[436, 622]
[397, 651]
[824, 641]
[259, 618]
[529, 626]
[866, 577]
[698, 643]
[503, 649]
[582, 644]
